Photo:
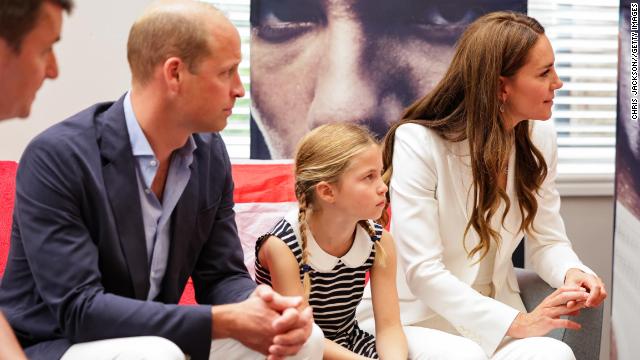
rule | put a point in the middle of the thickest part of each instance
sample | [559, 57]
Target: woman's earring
[501, 107]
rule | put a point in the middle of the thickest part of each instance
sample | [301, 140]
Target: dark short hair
[19, 17]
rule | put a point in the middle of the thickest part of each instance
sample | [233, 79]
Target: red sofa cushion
[7, 196]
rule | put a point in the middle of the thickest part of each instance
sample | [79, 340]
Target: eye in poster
[361, 61]
[625, 316]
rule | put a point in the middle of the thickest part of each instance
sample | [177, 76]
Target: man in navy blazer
[118, 205]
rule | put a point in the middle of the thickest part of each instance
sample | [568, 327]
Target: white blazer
[431, 201]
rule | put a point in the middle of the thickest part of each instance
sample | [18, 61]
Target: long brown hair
[464, 105]
[323, 155]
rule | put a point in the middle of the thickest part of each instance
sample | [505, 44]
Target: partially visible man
[118, 205]
[28, 30]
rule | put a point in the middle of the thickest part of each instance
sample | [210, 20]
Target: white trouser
[428, 343]
[157, 348]
[312, 349]
[425, 343]
[131, 348]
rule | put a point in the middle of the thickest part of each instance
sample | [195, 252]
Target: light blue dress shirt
[156, 214]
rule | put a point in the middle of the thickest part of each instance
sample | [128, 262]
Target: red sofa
[7, 195]
[263, 192]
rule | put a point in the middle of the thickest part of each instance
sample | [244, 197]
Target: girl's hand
[566, 300]
[593, 284]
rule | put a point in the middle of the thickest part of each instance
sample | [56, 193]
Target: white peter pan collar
[322, 261]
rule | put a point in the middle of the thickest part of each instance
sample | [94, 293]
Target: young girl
[324, 249]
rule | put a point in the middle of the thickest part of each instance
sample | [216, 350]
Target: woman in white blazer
[470, 175]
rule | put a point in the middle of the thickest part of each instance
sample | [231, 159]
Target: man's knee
[314, 347]
[155, 347]
[130, 348]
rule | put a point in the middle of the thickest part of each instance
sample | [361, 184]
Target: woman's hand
[566, 300]
[593, 284]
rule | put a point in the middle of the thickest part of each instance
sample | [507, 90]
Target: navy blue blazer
[77, 269]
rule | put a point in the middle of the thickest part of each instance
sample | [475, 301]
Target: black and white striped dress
[337, 284]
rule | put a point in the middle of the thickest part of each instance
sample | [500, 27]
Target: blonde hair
[464, 106]
[323, 155]
[170, 28]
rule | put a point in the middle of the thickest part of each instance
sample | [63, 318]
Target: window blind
[236, 134]
[585, 40]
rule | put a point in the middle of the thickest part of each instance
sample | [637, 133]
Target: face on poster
[361, 61]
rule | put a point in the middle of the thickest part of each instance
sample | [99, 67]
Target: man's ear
[172, 73]
[6, 51]
[325, 192]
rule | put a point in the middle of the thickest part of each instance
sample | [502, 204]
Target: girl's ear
[325, 192]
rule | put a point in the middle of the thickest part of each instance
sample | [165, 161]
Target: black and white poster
[362, 61]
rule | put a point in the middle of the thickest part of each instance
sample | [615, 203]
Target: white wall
[93, 68]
